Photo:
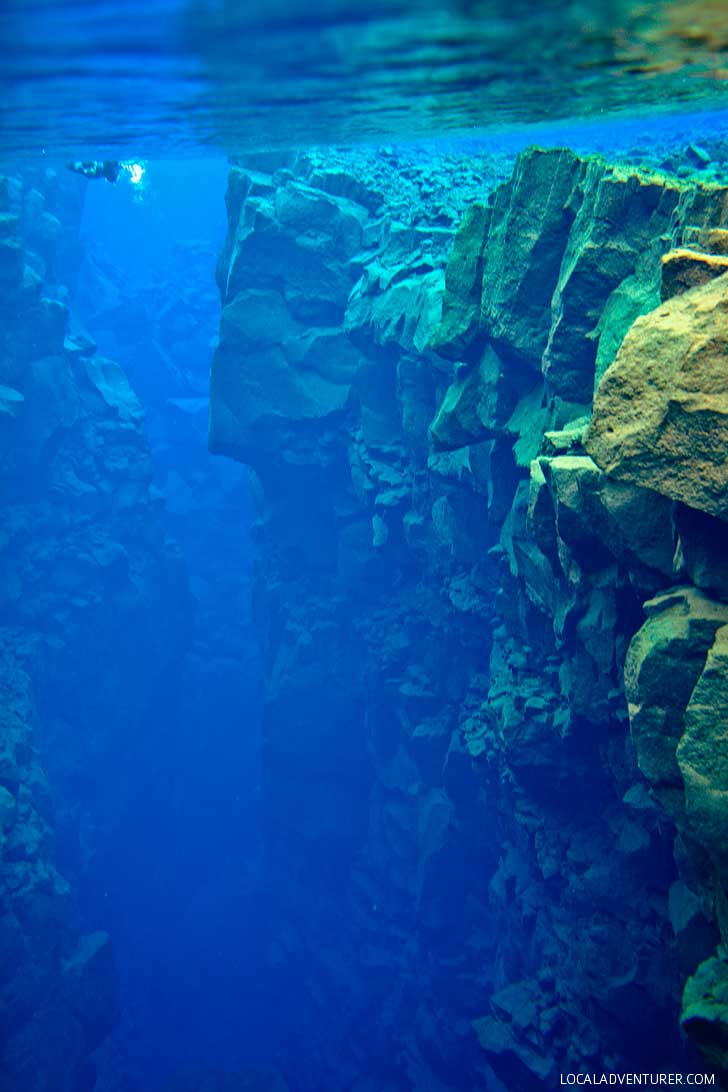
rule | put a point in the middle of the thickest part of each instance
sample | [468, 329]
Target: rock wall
[94, 612]
[57, 987]
[492, 802]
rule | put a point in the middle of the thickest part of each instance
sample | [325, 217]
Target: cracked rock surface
[492, 611]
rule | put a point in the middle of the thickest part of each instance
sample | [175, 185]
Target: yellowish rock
[661, 410]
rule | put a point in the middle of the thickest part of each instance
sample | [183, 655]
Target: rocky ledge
[493, 607]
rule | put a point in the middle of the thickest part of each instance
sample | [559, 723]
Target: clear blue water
[174, 889]
[179, 87]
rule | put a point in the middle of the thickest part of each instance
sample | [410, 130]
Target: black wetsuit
[107, 168]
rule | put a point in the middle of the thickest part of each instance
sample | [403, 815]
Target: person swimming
[110, 169]
[96, 168]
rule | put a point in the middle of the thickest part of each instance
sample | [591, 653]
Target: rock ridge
[466, 709]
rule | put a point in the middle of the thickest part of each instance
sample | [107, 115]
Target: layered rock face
[323, 383]
[93, 613]
[476, 863]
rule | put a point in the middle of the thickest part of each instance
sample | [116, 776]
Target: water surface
[187, 76]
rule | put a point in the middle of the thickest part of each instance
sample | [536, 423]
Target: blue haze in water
[148, 721]
[176, 886]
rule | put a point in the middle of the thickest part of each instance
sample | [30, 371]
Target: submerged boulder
[661, 410]
[476, 405]
[702, 755]
[515, 1035]
[664, 662]
[705, 1011]
[595, 516]
[685, 269]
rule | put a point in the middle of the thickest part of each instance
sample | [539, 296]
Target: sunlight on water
[189, 76]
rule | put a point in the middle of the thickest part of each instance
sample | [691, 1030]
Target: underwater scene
[364, 545]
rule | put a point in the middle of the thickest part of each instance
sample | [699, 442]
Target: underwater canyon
[406, 712]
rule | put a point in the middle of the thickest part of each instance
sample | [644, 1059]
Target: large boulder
[596, 517]
[664, 661]
[705, 1011]
[512, 1037]
[702, 755]
[661, 410]
[476, 405]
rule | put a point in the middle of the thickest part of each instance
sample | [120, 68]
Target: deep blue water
[176, 877]
[179, 884]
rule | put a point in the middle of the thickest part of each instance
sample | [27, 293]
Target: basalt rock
[94, 606]
[661, 410]
[448, 561]
[463, 286]
[583, 549]
[333, 417]
[559, 274]
[686, 269]
[705, 1012]
[702, 756]
[707, 240]
[665, 660]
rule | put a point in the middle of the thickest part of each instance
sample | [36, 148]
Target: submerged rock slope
[493, 624]
[92, 603]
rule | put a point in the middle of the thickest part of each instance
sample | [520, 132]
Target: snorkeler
[95, 168]
[110, 169]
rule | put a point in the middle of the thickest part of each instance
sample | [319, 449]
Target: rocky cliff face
[493, 792]
[93, 612]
